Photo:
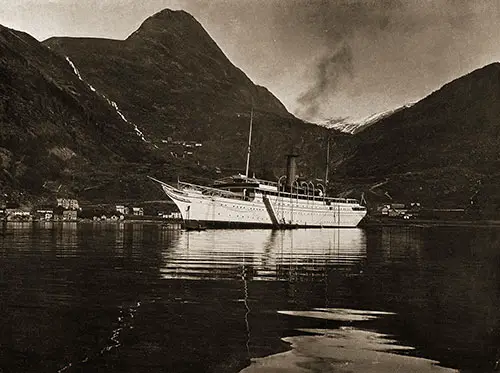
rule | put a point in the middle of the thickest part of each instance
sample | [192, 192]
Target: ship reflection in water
[265, 254]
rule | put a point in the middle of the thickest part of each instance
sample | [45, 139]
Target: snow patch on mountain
[349, 126]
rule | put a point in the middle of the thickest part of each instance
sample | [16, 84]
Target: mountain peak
[177, 22]
[169, 13]
[178, 31]
[165, 19]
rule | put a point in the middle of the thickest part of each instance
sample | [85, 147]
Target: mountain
[170, 78]
[53, 127]
[443, 149]
[173, 81]
[93, 117]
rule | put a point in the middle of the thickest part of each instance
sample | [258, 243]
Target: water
[147, 298]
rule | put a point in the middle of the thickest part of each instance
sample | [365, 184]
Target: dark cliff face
[52, 125]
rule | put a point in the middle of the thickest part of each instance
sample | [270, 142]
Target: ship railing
[317, 198]
[244, 179]
[342, 200]
[208, 190]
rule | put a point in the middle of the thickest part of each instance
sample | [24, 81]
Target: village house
[122, 209]
[68, 203]
[137, 211]
[44, 214]
[384, 210]
[69, 215]
[18, 215]
[393, 210]
[60, 214]
[172, 215]
[184, 143]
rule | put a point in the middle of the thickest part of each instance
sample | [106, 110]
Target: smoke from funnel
[329, 72]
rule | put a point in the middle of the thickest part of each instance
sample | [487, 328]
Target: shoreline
[388, 222]
[109, 221]
[369, 223]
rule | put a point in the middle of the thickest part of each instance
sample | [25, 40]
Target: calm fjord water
[146, 298]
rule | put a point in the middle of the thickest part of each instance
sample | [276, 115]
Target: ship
[241, 201]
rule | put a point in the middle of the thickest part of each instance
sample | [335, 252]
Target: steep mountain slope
[444, 149]
[52, 125]
[169, 76]
[173, 81]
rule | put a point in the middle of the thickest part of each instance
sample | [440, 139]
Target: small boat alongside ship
[241, 201]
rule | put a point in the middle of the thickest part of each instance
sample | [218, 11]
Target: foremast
[249, 148]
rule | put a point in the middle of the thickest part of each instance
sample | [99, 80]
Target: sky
[325, 60]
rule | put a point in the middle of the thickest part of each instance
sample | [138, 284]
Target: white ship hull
[263, 210]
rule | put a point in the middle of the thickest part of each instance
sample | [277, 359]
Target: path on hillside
[379, 184]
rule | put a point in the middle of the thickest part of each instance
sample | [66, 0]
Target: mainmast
[327, 159]
[249, 142]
